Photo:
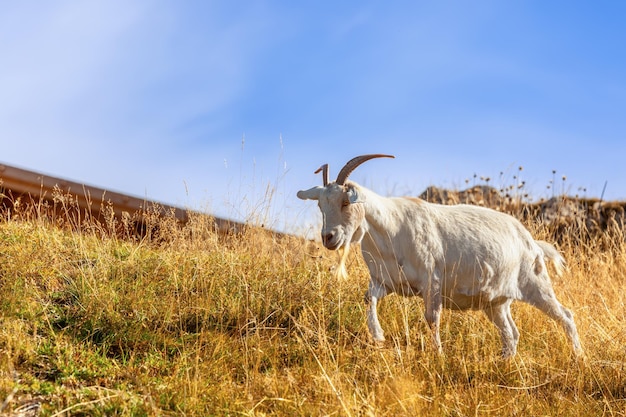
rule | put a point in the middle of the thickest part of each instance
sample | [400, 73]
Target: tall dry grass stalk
[183, 321]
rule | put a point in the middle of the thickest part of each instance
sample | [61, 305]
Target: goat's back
[478, 254]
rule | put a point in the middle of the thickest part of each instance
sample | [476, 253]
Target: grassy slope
[196, 325]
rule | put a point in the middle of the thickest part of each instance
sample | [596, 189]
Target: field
[184, 321]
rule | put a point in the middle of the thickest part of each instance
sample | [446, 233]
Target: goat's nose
[327, 237]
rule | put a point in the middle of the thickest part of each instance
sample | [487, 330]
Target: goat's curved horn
[354, 163]
[324, 170]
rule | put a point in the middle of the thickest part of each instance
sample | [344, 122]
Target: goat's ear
[310, 194]
[354, 196]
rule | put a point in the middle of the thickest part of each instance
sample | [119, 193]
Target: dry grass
[191, 323]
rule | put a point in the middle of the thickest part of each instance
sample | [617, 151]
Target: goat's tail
[551, 254]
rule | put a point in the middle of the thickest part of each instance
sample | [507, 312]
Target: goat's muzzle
[331, 240]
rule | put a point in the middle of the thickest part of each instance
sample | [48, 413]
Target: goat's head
[339, 203]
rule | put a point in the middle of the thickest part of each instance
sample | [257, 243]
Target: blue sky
[209, 105]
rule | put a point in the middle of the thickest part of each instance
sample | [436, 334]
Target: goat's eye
[345, 203]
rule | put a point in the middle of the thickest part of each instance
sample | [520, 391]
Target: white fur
[460, 257]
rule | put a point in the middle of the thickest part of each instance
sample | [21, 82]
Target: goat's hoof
[379, 342]
[507, 355]
[580, 355]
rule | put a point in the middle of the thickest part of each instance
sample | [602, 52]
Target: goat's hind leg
[500, 316]
[544, 299]
[434, 305]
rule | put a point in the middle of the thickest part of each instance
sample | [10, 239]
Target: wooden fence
[37, 189]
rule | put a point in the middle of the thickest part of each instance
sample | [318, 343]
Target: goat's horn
[354, 163]
[324, 169]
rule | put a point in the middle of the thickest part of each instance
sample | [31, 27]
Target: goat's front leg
[434, 305]
[374, 293]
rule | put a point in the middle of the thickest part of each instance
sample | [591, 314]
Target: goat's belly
[477, 301]
[468, 290]
[463, 302]
[403, 287]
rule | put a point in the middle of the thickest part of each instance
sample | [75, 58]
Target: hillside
[190, 322]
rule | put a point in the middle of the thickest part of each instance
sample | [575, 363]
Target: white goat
[460, 257]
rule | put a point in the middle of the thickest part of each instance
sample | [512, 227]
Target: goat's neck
[382, 215]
